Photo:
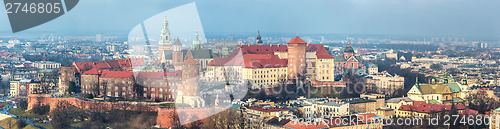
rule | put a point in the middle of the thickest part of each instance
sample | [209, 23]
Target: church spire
[258, 39]
[165, 34]
[197, 34]
[416, 81]
[196, 42]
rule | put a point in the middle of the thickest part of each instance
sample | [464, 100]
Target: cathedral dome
[348, 48]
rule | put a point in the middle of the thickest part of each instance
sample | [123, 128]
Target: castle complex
[263, 66]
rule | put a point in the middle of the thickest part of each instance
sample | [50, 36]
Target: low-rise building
[325, 107]
[423, 109]
[361, 105]
[395, 103]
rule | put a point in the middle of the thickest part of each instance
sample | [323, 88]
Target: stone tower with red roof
[188, 90]
[67, 75]
[190, 77]
[296, 58]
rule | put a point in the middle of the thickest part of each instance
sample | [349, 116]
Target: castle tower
[258, 39]
[177, 54]
[296, 58]
[196, 42]
[190, 77]
[348, 51]
[165, 43]
[67, 75]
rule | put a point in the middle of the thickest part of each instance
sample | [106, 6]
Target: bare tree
[62, 115]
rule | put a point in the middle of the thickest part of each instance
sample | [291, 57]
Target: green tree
[71, 87]
[436, 67]
[21, 124]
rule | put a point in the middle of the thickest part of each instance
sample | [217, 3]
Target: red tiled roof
[117, 74]
[124, 62]
[263, 61]
[250, 61]
[418, 106]
[175, 73]
[113, 63]
[136, 62]
[101, 65]
[149, 75]
[297, 40]
[267, 110]
[92, 71]
[156, 75]
[234, 59]
[328, 83]
[84, 66]
[364, 118]
[120, 63]
[320, 51]
[469, 112]
[262, 49]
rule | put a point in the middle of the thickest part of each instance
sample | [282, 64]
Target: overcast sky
[460, 18]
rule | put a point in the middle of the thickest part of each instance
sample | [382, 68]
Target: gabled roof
[268, 109]
[454, 87]
[320, 51]
[101, 65]
[108, 64]
[250, 60]
[297, 40]
[117, 74]
[133, 62]
[433, 88]
[113, 63]
[276, 121]
[262, 49]
[263, 61]
[177, 41]
[339, 59]
[93, 71]
[156, 75]
[397, 100]
[352, 58]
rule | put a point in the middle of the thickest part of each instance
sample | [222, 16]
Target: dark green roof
[201, 54]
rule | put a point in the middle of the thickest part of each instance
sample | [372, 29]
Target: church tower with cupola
[258, 39]
[348, 50]
[165, 42]
[196, 42]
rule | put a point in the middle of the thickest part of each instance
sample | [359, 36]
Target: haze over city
[418, 18]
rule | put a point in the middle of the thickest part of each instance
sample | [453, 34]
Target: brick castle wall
[164, 117]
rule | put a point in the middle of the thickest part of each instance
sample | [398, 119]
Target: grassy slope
[5, 124]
